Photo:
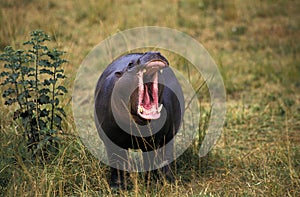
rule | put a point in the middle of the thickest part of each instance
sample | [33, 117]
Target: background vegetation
[256, 46]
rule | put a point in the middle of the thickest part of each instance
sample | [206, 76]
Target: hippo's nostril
[151, 56]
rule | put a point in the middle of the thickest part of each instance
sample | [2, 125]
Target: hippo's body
[138, 105]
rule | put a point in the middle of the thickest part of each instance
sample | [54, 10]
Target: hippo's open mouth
[148, 106]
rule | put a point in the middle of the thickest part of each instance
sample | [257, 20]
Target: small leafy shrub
[31, 83]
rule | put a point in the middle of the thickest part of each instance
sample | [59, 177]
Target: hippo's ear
[118, 74]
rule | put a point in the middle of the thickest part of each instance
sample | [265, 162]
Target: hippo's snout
[149, 57]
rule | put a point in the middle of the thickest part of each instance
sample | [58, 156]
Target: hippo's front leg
[118, 161]
[168, 157]
[161, 162]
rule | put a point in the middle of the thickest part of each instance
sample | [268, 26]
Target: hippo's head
[145, 99]
[143, 75]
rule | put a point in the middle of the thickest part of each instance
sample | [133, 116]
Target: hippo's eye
[130, 65]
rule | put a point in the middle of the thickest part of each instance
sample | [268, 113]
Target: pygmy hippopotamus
[139, 104]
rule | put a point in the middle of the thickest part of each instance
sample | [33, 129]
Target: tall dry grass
[256, 46]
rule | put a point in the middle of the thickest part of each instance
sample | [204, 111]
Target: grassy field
[256, 45]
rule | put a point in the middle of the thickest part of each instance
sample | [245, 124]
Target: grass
[256, 46]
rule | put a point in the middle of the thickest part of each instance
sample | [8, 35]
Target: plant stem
[36, 89]
[17, 89]
[24, 90]
[53, 97]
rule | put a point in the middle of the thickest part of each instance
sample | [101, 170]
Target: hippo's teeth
[144, 70]
[140, 109]
[152, 110]
[159, 108]
[161, 71]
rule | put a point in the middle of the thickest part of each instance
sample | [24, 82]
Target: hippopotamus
[139, 104]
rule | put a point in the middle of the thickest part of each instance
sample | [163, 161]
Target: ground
[256, 47]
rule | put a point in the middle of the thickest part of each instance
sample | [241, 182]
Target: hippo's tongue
[148, 106]
[146, 98]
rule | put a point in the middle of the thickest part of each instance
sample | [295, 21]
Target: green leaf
[44, 99]
[25, 70]
[20, 51]
[57, 120]
[45, 63]
[61, 76]
[10, 101]
[44, 91]
[8, 49]
[8, 92]
[56, 101]
[42, 124]
[28, 43]
[62, 88]
[14, 76]
[46, 82]
[31, 83]
[31, 75]
[24, 82]
[29, 56]
[23, 95]
[31, 104]
[46, 71]
[8, 66]
[53, 81]
[55, 54]
[33, 54]
[4, 73]
[44, 113]
[7, 81]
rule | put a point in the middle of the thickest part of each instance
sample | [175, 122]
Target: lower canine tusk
[159, 108]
